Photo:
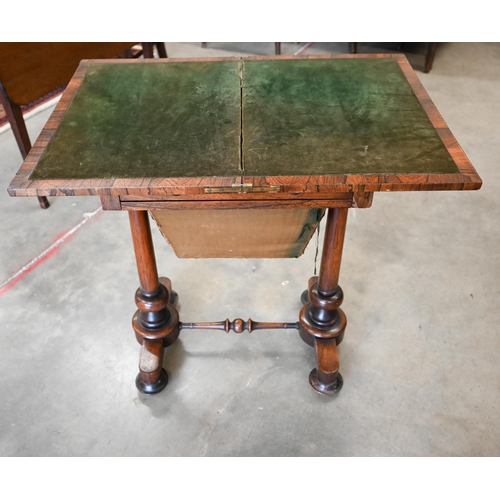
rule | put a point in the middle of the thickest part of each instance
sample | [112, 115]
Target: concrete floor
[420, 359]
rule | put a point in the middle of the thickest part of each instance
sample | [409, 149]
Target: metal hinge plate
[243, 188]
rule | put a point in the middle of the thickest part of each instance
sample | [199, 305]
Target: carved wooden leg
[322, 322]
[156, 323]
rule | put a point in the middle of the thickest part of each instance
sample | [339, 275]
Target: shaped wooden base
[321, 321]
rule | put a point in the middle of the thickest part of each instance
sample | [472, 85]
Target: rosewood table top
[292, 126]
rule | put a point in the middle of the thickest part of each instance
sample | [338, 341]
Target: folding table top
[345, 123]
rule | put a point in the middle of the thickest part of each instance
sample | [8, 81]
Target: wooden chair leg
[162, 50]
[148, 50]
[430, 52]
[18, 125]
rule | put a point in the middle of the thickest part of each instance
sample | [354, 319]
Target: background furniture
[430, 52]
[29, 71]
[277, 47]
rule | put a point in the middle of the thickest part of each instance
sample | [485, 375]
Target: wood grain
[292, 187]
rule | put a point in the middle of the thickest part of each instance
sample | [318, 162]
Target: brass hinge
[243, 188]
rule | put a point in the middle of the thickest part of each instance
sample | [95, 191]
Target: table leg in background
[322, 322]
[156, 322]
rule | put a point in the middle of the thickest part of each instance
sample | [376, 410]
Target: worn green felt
[149, 120]
[340, 116]
[300, 117]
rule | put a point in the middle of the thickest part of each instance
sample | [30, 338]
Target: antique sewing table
[241, 157]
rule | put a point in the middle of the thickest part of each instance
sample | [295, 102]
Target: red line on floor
[52, 250]
[304, 48]
[28, 270]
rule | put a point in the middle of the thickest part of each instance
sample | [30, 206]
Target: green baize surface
[274, 117]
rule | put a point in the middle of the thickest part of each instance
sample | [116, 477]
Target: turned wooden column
[322, 322]
[156, 322]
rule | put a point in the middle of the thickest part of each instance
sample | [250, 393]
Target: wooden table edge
[290, 186]
[466, 179]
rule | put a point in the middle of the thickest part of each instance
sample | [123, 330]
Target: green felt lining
[299, 117]
[341, 116]
[149, 120]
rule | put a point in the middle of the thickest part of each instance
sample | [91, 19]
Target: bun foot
[155, 387]
[329, 389]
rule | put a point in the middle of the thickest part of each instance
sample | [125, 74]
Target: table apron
[235, 204]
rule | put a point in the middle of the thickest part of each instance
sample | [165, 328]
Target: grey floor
[420, 359]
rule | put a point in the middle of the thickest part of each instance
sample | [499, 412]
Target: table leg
[156, 323]
[322, 322]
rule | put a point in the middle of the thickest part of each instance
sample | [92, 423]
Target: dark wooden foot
[322, 322]
[329, 389]
[44, 203]
[326, 379]
[155, 387]
[156, 322]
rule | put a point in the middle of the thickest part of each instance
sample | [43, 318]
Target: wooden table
[277, 140]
